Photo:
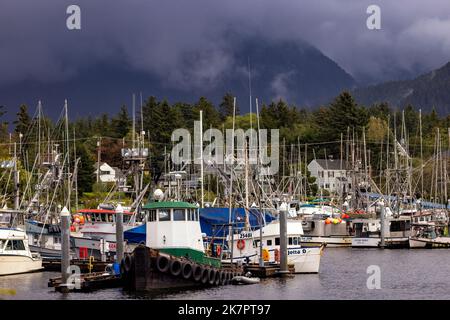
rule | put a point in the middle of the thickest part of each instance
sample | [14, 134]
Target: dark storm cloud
[184, 40]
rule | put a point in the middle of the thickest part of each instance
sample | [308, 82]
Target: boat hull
[417, 243]
[15, 264]
[331, 242]
[390, 242]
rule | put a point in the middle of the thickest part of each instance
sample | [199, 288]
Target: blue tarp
[135, 235]
[218, 216]
[209, 217]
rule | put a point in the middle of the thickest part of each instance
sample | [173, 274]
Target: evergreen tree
[23, 122]
[85, 176]
[226, 107]
[121, 123]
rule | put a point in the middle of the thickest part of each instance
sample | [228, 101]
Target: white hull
[331, 242]
[415, 244]
[14, 264]
[439, 242]
[305, 260]
[365, 242]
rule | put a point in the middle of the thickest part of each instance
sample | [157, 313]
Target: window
[56, 240]
[196, 215]
[290, 240]
[191, 214]
[256, 243]
[295, 241]
[327, 186]
[277, 241]
[15, 245]
[269, 242]
[179, 215]
[163, 215]
[151, 215]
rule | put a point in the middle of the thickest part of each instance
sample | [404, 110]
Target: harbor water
[344, 274]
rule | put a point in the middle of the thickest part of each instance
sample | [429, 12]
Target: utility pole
[99, 146]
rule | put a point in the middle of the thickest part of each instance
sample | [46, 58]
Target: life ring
[240, 244]
[218, 251]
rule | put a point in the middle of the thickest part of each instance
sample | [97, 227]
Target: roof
[329, 164]
[169, 205]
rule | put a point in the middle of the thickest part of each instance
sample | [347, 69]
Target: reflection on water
[405, 274]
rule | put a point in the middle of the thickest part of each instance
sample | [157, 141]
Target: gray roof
[332, 164]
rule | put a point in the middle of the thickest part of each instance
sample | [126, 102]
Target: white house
[108, 173]
[331, 175]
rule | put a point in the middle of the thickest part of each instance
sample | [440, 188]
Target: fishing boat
[173, 255]
[15, 254]
[429, 235]
[368, 232]
[335, 232]
[94, 231]
[246, 247]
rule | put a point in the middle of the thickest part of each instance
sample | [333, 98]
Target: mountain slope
[297, 72]
[431, 90]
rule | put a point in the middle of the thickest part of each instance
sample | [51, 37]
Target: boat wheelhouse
[173, 227]
[15, 255]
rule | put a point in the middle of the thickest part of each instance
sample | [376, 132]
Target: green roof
[169, 205]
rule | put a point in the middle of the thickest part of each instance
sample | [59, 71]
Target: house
[108, 173]
[331, 175]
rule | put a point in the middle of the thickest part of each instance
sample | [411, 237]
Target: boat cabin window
[15, 245]
[277, 241]
[163, 215]
[190, 215]
[151, 215]
[255, 243]
[294, 241]
[5, 218]
[269, 242]
[179, 215]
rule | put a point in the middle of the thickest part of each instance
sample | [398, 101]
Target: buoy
[327, 221]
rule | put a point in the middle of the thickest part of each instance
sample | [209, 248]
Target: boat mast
[201, 159]
[68, 153]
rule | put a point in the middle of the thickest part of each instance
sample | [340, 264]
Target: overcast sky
[156, 35]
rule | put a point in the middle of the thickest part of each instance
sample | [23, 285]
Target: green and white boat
[173, 254]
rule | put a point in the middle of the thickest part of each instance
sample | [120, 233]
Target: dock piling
[119, 233]
[283, 239]
[65, 247]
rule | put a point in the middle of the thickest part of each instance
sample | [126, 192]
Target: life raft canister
[240, 244]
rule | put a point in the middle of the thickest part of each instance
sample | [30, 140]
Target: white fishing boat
[246, 247]
[368, 232]
[94, 231]
[335, 232]
[15, 255]
[428, 235]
